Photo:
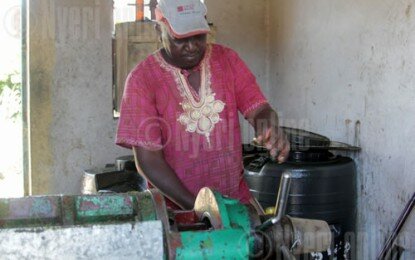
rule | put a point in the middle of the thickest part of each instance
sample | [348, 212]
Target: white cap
[184, 18]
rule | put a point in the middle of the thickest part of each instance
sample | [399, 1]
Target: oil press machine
[138, 225]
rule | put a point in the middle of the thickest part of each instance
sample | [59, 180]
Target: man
[179, 111]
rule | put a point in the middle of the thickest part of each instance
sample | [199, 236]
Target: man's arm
[268, 133]
[153, 166]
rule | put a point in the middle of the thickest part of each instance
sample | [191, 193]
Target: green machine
[138, 225]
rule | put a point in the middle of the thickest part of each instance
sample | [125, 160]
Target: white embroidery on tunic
[198, 116]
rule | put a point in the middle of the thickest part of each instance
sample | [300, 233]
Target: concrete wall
[121, 241]
[71, 122]
[345, 69]
[242, 26]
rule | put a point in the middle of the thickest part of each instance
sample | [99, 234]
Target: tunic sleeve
[248, 93]
[139, 123]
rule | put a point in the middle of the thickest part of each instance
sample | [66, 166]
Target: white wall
[242, 26]
[71, 122]
[338, 64]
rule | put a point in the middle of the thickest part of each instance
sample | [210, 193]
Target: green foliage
[12, 83]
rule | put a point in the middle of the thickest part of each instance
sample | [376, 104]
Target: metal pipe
[281, 204]
[282, 198]
[386, 250]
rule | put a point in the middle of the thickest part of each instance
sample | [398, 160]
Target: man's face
[187, 53]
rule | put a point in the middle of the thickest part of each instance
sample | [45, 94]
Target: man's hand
[153, 166]
[269, 134]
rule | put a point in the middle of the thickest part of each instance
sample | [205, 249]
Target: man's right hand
[153, 166]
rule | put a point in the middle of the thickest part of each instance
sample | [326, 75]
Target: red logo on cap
[182, 8]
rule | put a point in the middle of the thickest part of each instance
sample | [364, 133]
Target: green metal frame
[234, 241]
[47, 211]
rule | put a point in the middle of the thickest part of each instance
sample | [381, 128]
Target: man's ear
[157, 27]
[158, 30]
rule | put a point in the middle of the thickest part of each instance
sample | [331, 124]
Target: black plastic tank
[323, 185]
[320, 190]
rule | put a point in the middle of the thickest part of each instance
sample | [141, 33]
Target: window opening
[134, 38]
[134, 10]
[11, 133]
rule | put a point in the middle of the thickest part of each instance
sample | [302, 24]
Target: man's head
[183, 29]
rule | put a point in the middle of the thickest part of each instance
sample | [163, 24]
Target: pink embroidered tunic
[198, 132]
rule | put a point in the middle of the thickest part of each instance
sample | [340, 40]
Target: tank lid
[301, 138]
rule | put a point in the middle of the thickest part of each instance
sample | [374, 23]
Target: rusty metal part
[171, 241]
[306, 235]
[186, 220]
[286, 253]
